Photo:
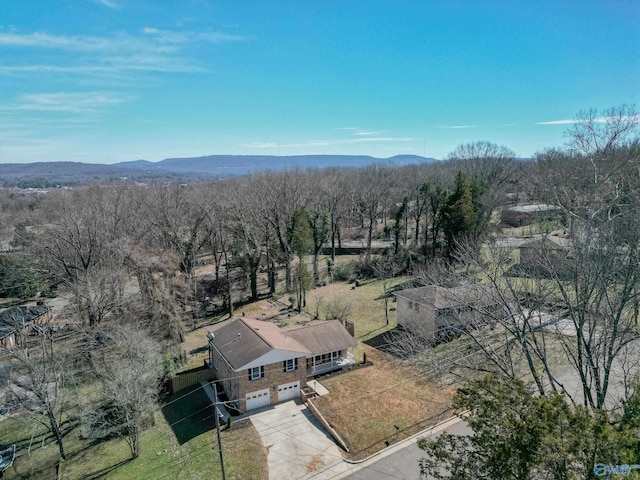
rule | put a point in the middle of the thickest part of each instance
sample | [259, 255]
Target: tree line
[126, 255]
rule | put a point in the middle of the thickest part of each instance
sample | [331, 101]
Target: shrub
[343, 272]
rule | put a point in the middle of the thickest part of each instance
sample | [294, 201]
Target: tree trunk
[333, 238]
[316, 268]
[287, 272]
[372, 221]
[228, 300]
[57, 434]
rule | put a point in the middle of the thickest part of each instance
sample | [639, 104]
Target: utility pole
[216, 414]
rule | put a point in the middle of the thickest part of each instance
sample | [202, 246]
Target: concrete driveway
[298, 445]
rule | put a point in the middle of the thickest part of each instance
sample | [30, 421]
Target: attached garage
[257, 399]
[287, 391]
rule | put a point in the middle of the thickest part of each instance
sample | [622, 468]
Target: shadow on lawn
[107, 470]
[390, 341]
[189, 413]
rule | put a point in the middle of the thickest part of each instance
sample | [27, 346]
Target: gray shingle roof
[15, 318]
[243, 340]
[322, 337]
[438, 297]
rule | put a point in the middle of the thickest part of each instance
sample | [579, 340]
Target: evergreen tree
[301, 240]
[460, 214]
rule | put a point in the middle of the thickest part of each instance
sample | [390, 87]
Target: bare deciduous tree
[129, 367]
[40, 382]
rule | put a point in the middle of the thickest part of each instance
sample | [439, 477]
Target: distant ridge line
[48, 174]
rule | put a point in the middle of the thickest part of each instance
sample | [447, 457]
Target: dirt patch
[379, 405]
[315, 463]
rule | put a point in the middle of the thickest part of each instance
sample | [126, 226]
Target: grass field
[181, 445]
[382, 404]
[364, 301]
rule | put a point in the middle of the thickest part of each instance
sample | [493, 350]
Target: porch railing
[324, 367]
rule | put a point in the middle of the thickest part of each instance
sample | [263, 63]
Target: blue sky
[104, 81]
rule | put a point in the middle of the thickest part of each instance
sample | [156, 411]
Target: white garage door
[287, 391]
[257, 399]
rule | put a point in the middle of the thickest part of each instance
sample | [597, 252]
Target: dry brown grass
[367, 314]
[365, 301]
[315, 463]
[365, 406]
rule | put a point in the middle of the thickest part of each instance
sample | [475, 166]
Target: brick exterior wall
[274, 375]
[225, 377]
[237, 384]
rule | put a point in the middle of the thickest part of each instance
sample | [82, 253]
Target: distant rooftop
[439, 297]
[538, 207]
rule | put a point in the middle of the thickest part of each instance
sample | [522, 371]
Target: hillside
[227, 165]
[49, 174]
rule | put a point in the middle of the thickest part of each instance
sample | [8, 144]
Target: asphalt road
[403, 464]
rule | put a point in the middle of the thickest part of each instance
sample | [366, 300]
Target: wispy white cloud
[329, 143]
[149, 50]
[153, 40]
[359, 131]
[634, 118]
[107, 3]
[115, 66]
[557, 122]
[260, 145]
[376, 139]
[365, 133]
[66, 102]
[458, 126]
[178, 38]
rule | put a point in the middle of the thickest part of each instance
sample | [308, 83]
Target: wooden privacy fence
[191, 377]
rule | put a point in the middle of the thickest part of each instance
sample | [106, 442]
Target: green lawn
[181, 445]
[365, 303]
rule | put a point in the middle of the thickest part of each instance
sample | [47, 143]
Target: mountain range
[48, 174]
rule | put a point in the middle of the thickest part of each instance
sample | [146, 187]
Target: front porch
[327, 362]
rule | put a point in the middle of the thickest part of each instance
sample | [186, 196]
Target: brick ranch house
[437, 312]
[258, 364]
[16, 322]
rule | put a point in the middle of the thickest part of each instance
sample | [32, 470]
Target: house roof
[322, 337]
[15, 318]
[548, 242]
[535, 208]
[6, 331]
[242, 341]
[438, 297]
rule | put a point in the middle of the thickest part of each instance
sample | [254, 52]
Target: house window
[410, 305]
[335, 355]
[256, 373]
[290, 365]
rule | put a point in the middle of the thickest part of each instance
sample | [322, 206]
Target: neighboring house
[437, 312]
[16, 322]
[258, 364]
[544, 257]
[527, 214]
[550, 248]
